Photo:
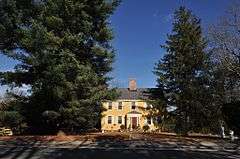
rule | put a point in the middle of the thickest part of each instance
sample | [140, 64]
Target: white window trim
[121, 120]
[132, 105]
[112, 120]
[109, 105]
[118, 106]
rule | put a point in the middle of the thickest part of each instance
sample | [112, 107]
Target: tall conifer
[183, 72]
[64, 51]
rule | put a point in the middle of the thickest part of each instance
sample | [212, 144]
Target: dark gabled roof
[140, 93]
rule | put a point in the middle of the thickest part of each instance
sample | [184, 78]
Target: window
[133, 105]
[149, 120]
[149, 106]
[109, 119]
[119, 119]
[110, 105]
[120, 105]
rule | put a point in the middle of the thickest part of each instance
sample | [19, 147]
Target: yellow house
[129, 110]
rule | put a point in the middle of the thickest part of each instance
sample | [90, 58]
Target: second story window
[110, 105]
[109, 119]
[133, 106]
[149, 106]
[120, 105]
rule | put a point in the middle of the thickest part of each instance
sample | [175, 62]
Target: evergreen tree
[65, 55]
[183, 73]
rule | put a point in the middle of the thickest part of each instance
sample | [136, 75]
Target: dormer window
[109, 105]
[133, 106]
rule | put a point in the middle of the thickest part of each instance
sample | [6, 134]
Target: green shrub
[122, 127]
[146, 128]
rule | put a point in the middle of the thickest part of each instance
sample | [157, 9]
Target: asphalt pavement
[110, 149]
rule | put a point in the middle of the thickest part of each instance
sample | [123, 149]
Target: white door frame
[129, 120]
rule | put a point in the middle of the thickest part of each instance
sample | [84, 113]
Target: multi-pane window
[149, 120]
[110, 105]
[109, 119]
[120, 105]
[133, 105]
[119, 119]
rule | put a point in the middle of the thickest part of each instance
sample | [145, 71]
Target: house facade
[130, 110]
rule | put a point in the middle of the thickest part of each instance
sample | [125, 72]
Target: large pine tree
[64, 51]
[183, 73]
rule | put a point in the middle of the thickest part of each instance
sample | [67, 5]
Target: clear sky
[140, 27]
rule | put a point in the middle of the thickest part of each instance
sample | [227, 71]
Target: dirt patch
[111, 136]
[49, 138]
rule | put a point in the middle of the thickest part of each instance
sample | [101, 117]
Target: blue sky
[140, 27]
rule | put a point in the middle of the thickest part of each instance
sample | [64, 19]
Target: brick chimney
[132, 85]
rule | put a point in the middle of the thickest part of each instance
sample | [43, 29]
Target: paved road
[105, 149]
[103, 153]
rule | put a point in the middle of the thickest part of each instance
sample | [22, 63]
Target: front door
[134, 122]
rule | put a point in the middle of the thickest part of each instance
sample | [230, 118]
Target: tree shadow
[21, 148]
[129, 154]
[115, 147]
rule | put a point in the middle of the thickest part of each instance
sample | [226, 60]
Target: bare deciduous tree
[224, 38]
